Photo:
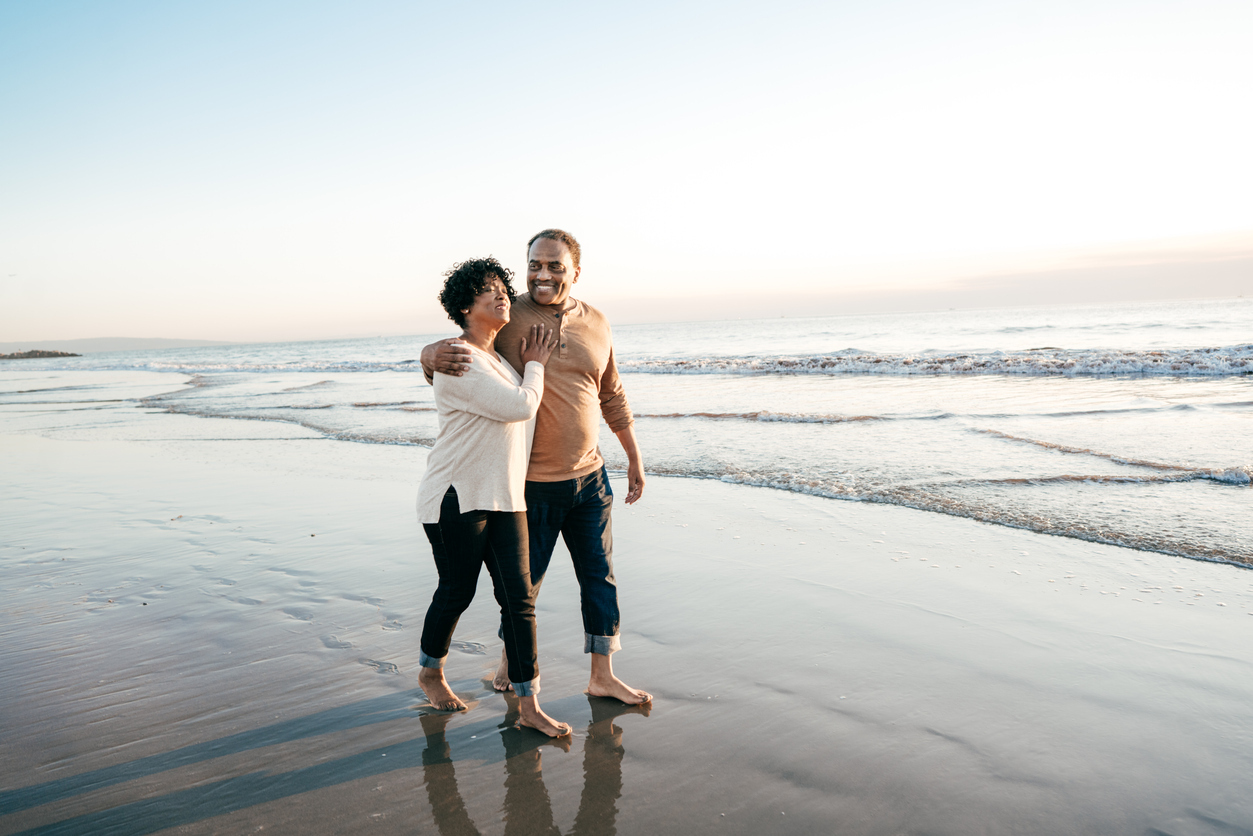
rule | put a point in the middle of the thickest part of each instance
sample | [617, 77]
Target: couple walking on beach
[520, 395]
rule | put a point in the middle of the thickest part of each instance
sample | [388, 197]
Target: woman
[472, 502]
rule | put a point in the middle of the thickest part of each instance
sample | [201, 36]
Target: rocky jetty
[31, 355]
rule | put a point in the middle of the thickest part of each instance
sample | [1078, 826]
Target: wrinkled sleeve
[482, 392]
[613, 400]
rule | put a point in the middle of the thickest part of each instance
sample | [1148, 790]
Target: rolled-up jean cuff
[430, 661]
[526, 689]
[604, 645]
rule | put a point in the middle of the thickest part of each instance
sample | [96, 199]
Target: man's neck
[564, 305]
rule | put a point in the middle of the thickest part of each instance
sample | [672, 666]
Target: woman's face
[491, 307]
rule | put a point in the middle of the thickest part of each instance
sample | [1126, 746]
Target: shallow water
[1121, 424]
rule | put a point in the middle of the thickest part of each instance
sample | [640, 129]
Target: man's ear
[577, 271]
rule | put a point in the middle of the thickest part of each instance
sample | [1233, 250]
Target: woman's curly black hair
[467, 280]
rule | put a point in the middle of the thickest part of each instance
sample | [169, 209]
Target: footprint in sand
[294, 573]
[335, 643]
[240, 599]
[381, 667]
[366, 599]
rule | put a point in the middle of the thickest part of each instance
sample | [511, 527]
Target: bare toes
[558, 729]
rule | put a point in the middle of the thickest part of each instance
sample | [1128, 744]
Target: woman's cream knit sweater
[486, 423]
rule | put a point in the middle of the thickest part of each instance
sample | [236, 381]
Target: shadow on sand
[526, 805]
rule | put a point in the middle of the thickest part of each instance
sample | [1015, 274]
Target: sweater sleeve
[481, 391]
[613, 400]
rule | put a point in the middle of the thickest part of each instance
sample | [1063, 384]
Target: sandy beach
[211, 626]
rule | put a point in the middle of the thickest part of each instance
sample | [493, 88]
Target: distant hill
[37, 354]
[98, 345]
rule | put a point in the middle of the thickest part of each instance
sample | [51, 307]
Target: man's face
[550, 272]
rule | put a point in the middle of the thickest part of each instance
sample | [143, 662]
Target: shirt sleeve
[613, 400]
[481, 391]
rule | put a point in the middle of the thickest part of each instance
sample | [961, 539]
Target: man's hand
[635, 464]
[635, 482]
[450, 356]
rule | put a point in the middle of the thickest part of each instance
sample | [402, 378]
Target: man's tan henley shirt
[581, 384]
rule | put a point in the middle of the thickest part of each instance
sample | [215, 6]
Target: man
[567, 489]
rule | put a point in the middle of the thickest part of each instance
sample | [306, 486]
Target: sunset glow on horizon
[284, 170]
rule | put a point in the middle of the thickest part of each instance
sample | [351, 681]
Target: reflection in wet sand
[602, 768]
[527, 807]
[441, 780]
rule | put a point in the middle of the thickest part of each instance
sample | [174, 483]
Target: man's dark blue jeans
[578, 510]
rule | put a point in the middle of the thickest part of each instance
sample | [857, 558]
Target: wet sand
[212, 627]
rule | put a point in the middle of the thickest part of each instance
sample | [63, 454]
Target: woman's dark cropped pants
[462, 543]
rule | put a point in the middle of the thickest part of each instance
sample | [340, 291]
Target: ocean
[1126, 424]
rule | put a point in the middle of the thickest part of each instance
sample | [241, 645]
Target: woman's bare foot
[433, 684]
[604, 684]
[501, 681]
[533, 717]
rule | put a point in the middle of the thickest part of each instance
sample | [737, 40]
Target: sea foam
[1223, 361]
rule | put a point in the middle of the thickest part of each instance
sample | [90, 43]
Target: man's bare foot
[604, 684]
[501, 681]
[607, 708]
[533, 717]
[433, 684]
[618, 690]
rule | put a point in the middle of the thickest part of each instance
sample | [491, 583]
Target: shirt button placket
[561, 333]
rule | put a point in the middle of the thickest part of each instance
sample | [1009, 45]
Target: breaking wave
[768, 417]
[1231, 360]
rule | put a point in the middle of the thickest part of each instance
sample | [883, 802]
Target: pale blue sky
[270, 170]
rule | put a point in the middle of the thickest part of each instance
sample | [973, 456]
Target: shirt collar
[526, 299]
